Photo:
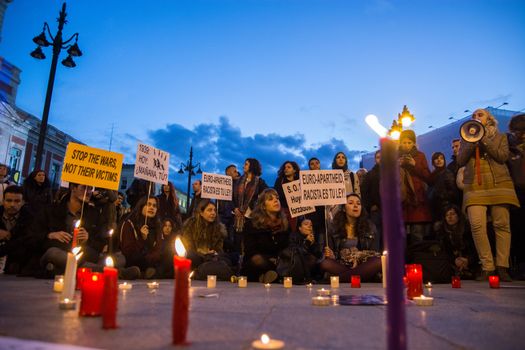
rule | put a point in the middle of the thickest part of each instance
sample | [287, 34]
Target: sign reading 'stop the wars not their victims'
[322, 187]
[217, 186]
[92, 166]
[152, 164]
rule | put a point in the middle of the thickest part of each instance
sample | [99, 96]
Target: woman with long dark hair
[350, 240]
[169, 205]
[266, 234]
[140, 237]
[37, 191]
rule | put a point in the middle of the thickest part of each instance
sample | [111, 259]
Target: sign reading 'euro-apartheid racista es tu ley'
[292, 192]
[322, 187]
[152, 164]
[92, 166]
[217, 186]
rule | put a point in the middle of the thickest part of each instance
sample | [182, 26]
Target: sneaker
[484, 275]
[503, 274]
[129, 273]
[268, 277]
[149, 273]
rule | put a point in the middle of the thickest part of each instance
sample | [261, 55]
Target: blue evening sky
[271, 79]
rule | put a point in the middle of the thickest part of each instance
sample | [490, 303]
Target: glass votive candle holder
[323, 292]
[355, 281]
[494, 281]
[287, 282]
[456, 282]
[242, 281]
[58, 285]
[334, 281]
[212, 281]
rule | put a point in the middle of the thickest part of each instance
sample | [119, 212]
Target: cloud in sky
[216, 145]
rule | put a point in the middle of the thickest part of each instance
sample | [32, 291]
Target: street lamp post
[189, 166]
[58, 45]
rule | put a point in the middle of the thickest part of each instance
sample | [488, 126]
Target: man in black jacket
[371, 199]
[14, 221]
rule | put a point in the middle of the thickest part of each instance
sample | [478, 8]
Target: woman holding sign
[266, 234]
[141, 241]
[350, 239]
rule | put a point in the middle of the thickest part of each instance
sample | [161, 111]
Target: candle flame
[76, 250]
[94, 278]
[191, 274]
[265, 339]
[395, 134]
[66, 300]
[406, 122]
[110, 233]
[77, 224]
[373, 123]
[179, 247]
[109, 262]
[385, 252]
[79, 255]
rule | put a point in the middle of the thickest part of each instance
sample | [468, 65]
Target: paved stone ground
[473, 317]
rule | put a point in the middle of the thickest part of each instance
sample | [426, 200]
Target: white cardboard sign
[322, 187]
[152, 164]
[292, 192]
[217, 186]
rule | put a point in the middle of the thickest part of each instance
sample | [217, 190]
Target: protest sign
[217, 186]
[152, 164]
[322, 187]
[292, 192]
[92, 166]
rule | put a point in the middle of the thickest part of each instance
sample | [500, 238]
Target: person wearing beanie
[442, 186]
[414, 177]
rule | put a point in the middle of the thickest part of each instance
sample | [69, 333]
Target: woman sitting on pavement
[203, 237]
[350, 239]
[266, 234]
[140, 237]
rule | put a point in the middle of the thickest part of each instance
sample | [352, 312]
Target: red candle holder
[83, 273]
[355, 281]
[110, 297]
[92, 291]
[414, 277]
[494, 281]
[456, 282]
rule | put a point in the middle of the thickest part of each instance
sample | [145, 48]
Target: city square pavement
[228, 317]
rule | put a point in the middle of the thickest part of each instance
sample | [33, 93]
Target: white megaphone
[472, 131]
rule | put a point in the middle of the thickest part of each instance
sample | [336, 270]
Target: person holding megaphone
[488, 186]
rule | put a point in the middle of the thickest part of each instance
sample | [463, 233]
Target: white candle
[424, 301]
[267, 285]
[323, 292]
[67, 304]
[70, 277]
[383, 267]
[58, 285]
[287, 282]
[309, 285]
[212, 281]
[334, 281]
[125, 286]
[267, 343]
[243, 281]
[153, 285]
[321, 301]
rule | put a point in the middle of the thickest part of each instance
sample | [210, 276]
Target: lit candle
[429, 288]
[394, 233]
[334, 282]
[153, 285]
[494, 281]
[309, 285]
[74, 242]
[266, 343]
[456, 282]
[355, 281]
[243, 281]
[287, 282]
[69, 278]
[424, 301]
[125, 286]
[321, 300]
[211, 281]
[110, 242]
[181, 303]
[323, 292]
[58, 285]
[267, 285]
[110, 296]
[92, 292]
[83, 273]
[383, 267]
[414, 275]
[67, 304]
